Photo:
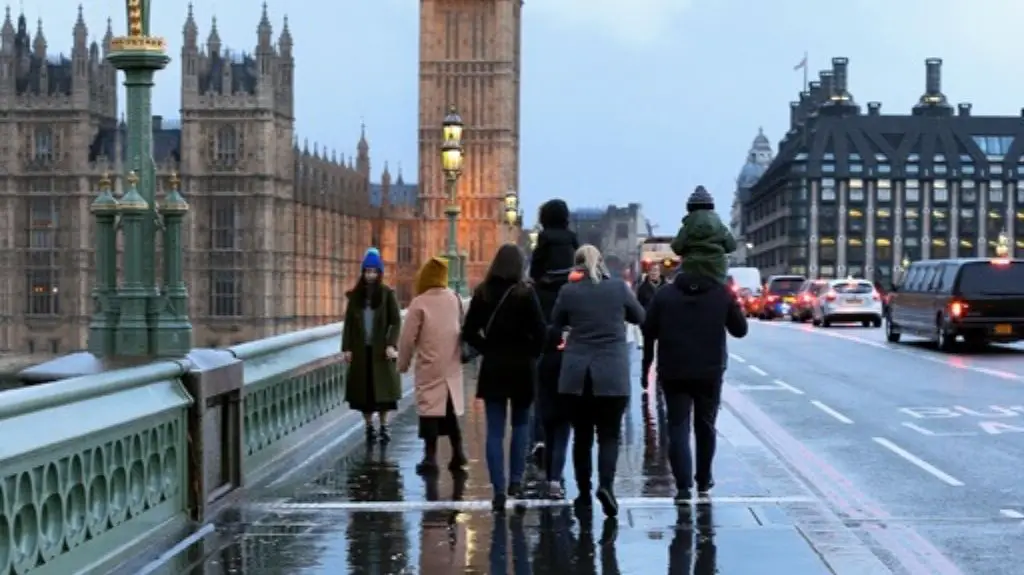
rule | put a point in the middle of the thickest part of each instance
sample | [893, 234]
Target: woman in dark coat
[505, 324]
[369, 343]
[550, 264]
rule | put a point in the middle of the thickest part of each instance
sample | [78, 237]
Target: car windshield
[992, 278]
[788, 286]
[853, 288]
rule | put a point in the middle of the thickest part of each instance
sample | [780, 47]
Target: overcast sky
[637, 100]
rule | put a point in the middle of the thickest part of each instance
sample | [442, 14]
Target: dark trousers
[556, 430]
[597, 417]
[647, 360]
[432, 428]
[701, 398]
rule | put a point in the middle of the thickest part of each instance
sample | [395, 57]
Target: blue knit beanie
[372, 260]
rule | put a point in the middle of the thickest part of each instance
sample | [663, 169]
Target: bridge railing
[97, 467]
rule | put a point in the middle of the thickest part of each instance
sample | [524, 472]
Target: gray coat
[596, 314]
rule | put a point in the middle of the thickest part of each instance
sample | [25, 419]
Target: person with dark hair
[703, 241]
[594, 381]
[505, 324]
[650, 285]
[550, 264]
[431, 335]
[690, 319]
[369, 342]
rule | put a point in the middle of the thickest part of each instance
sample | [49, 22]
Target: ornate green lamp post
[451, 165]
[139, 321]
[103, 324]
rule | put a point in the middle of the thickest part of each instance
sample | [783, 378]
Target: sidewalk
[366, 511]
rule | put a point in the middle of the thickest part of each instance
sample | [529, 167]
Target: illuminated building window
[940, 193]
[42, 266]
[912, 191]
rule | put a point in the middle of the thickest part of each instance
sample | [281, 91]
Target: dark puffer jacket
[554, 255]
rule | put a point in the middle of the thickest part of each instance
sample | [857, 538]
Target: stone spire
[81, 33]
[213, 44]
[284, 42]
[39, 45]
[264, 31]
[190, 32]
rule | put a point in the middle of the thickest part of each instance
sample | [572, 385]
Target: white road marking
[737, 358]
[1011, 514]
[918, 428]
[920, 463]
[757, 370]
[838, 416]
[411, 506]
[787, 386]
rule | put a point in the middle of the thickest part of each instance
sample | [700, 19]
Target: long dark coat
[508, 367]
[387, 325]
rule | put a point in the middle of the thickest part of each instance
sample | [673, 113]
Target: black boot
[429, 464]
[459, 459]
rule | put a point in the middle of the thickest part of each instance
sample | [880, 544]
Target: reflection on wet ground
[368, 512]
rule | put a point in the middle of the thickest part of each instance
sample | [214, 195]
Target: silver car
[848, 301]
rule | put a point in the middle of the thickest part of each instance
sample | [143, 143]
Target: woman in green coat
[368, 345]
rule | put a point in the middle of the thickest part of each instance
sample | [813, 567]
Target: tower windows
[43, 145]
[227, 146]
[42, 266]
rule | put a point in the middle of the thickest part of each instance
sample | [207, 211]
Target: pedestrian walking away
[368, 346]
[431, 334]
[593, 383]
[650, 285]
[689, 320]
[550, 263]
[505, 324]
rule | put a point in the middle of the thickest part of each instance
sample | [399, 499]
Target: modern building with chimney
[759, 157]
[858, 192]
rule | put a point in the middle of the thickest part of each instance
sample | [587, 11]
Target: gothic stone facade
[470, 58]
[276, 231]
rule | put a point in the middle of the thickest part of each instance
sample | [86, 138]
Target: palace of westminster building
[863, 193]
[275, 227]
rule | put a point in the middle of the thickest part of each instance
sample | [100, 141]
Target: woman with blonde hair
[593, 384]
[431, 334]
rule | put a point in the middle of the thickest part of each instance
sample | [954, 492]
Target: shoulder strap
[494, 312]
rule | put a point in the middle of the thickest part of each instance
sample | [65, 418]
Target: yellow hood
[433, 274]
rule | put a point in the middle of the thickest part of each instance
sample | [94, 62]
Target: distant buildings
[617, 231]
[854, 193]
[759, 157]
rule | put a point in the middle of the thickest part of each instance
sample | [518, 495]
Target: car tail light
[830, 296]
[772, 298]
[957, 309]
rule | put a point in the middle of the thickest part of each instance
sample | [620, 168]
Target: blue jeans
[496, 411]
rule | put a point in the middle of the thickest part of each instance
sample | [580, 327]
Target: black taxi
[980, 300]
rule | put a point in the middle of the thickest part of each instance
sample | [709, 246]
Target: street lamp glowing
[511, 207]
[451, 130]
[451, 159]
[905, 263]
[534, 234]
[1003, 245]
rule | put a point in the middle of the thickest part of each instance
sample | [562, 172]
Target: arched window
[227, 145]
[44, 145]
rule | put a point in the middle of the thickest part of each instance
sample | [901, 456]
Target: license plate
[1004, 329]
[787, 299]
[854, 301]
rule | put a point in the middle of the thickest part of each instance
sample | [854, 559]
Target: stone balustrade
[97, 467]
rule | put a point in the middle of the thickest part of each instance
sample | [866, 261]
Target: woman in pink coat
[430, 332]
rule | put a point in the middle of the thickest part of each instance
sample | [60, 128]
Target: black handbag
[470, 353]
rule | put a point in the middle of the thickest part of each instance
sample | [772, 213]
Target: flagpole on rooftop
[806, 66]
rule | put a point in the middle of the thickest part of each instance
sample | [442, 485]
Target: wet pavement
[899, 435]
[363, 509]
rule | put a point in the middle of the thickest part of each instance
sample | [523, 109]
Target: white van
[749, 278]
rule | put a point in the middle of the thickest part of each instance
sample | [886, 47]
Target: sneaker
[683, 497]
[556, 490]
[498, 503]
[608, 502]
[515, 490]
[704, 490]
